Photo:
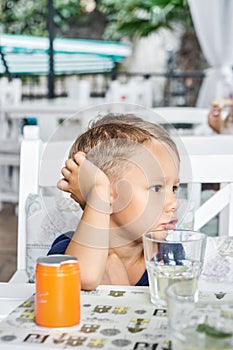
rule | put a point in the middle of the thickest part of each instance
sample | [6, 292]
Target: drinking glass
[201, 322]
[172, 256]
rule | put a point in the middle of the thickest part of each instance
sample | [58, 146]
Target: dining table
[112, 317]
[47, 112]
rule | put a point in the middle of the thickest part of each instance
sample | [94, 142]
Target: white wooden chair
[40, 169]
[209, 160]
[10, 93]
[135, 91]
[40, 165]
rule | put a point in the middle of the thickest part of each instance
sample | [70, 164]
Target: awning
[29, 55]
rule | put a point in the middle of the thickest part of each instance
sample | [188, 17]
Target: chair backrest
[135, 91]
[207, 161]
[41, 163]
[10, 91]
[40, 169]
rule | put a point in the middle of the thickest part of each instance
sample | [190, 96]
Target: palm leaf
[138, 18]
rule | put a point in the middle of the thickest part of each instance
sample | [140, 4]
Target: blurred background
[162, 47]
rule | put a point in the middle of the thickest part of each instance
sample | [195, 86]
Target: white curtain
[213, 22]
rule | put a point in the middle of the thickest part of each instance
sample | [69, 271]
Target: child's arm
[115, 272]
[89, 186]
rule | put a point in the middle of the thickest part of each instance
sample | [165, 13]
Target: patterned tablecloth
[116, 317]
[111, 318]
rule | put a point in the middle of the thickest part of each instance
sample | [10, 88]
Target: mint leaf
[211, 331]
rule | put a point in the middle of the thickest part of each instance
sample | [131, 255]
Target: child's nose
[171, 202]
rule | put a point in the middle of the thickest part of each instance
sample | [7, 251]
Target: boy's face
[144, 197]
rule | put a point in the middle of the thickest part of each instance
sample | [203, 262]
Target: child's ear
[120, 195]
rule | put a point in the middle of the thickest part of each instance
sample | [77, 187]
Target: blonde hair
[110, 141]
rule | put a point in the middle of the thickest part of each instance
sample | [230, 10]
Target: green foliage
[127, 18]
[30, 16]
[138, 18]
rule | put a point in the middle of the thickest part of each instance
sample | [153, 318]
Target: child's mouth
[171, 225]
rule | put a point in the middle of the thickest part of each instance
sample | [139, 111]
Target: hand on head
[81, 177]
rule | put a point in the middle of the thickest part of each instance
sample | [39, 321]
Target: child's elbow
[89, 283]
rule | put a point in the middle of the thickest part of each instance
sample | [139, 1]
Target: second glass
[172, 256]
[204, 322]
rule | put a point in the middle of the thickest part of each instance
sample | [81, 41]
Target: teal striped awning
[29, 55]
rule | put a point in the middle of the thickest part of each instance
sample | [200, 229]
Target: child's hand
[214, 118]
[81, 178]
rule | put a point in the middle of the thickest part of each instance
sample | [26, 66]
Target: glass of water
[172, 256]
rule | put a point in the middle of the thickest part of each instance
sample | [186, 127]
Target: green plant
[139, 18]
[30, 17]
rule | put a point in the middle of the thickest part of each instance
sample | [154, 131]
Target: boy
[124, 173]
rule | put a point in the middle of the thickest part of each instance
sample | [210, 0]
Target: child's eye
[175, 188]
[156, 188]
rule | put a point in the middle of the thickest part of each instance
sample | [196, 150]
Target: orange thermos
[57, 299]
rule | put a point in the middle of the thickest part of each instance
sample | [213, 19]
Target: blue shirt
[61, 243]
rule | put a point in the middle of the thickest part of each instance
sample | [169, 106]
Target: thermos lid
[56, 260]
